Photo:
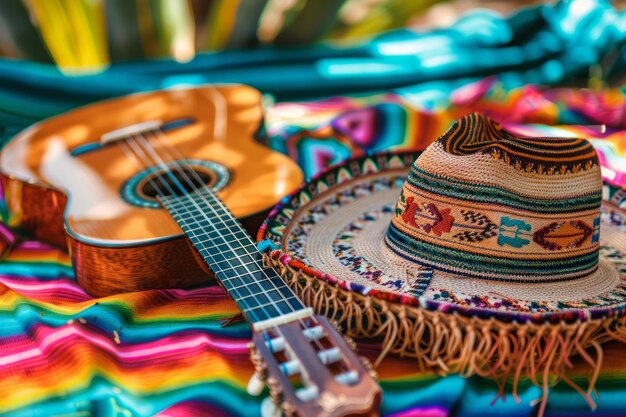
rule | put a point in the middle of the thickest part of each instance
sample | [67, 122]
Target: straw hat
[492, 254]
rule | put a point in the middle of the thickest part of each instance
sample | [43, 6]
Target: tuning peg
[255, 385]
[269, 408]
[350, 342]
[275, 405]
[275, 389]
[257, 360]
[288, 409]
[368, 366]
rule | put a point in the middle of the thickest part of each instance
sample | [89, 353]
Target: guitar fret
[205, 215]
[253, 300]
[218, 233]
[277, 290]
[184, 202]
[246, 304]
[264, 283]
[234, 268]
[252, 316]
[227, 245]
[202, 225]
[199, 240]
[271, 304]
[272, 296]
[229, 255]
[238, 284]
[245, 284]
[245, 271]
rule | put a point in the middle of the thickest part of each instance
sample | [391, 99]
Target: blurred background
[413, 65]
[90, 34]
[86, 36]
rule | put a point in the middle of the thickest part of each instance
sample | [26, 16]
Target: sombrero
[486, 253]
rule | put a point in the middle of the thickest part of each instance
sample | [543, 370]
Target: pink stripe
[48, 338]
[34, 245]
[35, 286]
[433, 411]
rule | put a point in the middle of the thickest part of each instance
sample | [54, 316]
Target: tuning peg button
[255, 386]
[269, 408]
[348, 378]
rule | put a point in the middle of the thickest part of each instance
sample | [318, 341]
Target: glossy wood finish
[37, 209]
[102, 271]
[115, 246]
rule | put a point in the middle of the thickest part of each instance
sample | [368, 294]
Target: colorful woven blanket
[166, 353]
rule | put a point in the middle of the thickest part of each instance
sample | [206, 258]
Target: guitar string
[219, 131]
[220, 203]
[176, 156]
[275, 327]
[245, 260]
[133, 156]
[142, 152]
[220, 127]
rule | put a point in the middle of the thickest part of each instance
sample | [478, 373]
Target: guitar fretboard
[230, 252]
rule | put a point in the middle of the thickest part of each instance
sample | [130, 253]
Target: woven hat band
[482, 264]
[481, 202]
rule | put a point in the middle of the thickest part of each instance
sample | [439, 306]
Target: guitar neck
[229, 251]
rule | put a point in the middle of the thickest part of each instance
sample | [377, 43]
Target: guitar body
[70, 183]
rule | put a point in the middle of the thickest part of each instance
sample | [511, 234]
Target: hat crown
[482, 202]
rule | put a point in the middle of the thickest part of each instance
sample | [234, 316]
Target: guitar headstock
[312, 371]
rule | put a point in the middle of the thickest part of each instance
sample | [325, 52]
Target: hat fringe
[452, 343]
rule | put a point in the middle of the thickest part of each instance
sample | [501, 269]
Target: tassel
[451, 343]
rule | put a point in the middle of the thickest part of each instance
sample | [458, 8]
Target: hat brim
[336, 224]
[448, 334]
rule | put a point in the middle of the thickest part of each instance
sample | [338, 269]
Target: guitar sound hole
[142, 188]
[170, 183]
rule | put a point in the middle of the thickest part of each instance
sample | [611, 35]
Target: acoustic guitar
[146, 191]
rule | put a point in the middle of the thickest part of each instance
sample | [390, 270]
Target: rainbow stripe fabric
[322, 133]
[166, 353]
